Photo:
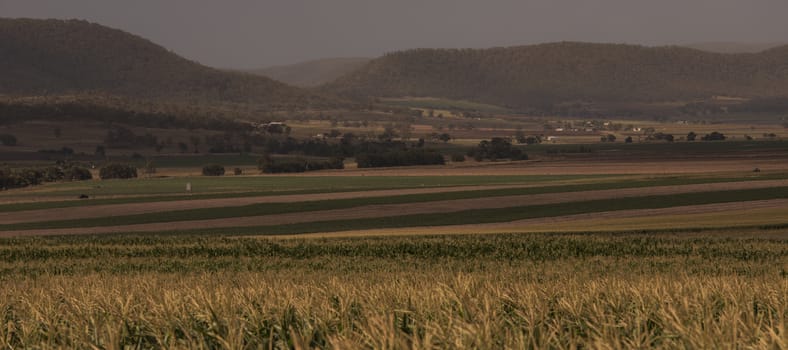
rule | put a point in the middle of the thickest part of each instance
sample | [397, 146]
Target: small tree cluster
[714, 136]
[117, 171]
[213, 170]
[496, 148]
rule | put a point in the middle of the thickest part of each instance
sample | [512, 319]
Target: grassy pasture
[678, 290]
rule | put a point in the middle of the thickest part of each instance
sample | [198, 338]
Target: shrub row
[407, 157]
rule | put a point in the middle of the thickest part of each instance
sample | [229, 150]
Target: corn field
[426, 293]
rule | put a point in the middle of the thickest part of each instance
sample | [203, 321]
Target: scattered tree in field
[519, 136]
[183, 147]
[714, 136]
[150, 168]
[661, 137]
[238, 172]
[628, 139]
[609, 138]
[75, 173]
[444, 137]
[8, 140]
[213, 170]
[532, 140]
[195, 140]
[691, 136]
[117, 171]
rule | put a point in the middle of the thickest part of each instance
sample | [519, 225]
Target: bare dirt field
[410, 209]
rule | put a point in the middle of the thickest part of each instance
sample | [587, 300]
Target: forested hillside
[313, 73]
[541, 76]
[50, 57]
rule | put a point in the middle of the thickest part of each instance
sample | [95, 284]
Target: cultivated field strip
[495, 209]
[51, 196]
[719, 217]
[255, 206]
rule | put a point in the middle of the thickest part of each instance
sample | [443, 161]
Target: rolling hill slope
[51, 57]
[312, 73]
[733, 47]
[548, 74]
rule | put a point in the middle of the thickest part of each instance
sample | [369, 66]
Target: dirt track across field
[413, 208]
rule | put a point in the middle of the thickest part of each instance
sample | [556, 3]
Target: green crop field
[271, 184]
[534, 210]
[477, 216]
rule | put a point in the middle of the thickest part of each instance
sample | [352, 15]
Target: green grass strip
[481, 216]
[308, 206]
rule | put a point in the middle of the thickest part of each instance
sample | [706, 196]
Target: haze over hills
[313, 73]
[56, 57]
[547, 74]
[40, 57]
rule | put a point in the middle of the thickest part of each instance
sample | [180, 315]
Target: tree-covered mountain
[312, 73]
[55, 57]
[544, 75]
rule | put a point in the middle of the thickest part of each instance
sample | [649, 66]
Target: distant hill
[733, 47]
[313, 73]
[40, 57]
[544, 75]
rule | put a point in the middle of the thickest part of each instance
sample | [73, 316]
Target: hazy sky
[247, 33]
